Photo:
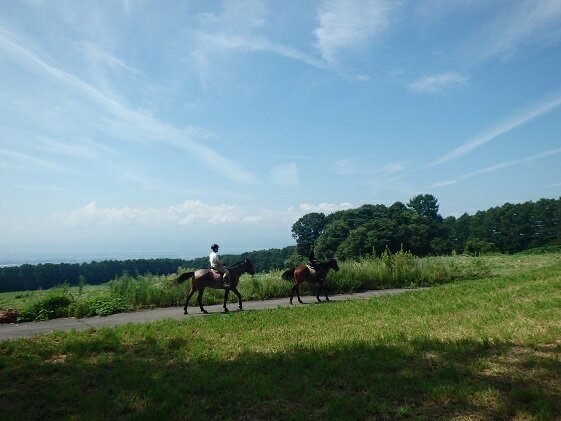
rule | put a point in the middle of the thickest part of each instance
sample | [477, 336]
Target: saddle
[313, 271]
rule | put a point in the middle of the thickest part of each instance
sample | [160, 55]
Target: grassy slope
[18, 299]
[473, 350]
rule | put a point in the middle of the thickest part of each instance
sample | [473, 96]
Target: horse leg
[292, 293]
[317, 295]
[324, 291]
[200, 300]
[226, 299]
[193, 289]
[298, 293]
[235, 291]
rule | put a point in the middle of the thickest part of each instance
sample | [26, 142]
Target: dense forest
[370, 229]
[418, 227]
[47, 275]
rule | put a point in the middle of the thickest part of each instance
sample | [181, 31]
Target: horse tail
[184, 276]
[288, 275]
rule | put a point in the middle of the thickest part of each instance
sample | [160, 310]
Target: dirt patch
[8, 315]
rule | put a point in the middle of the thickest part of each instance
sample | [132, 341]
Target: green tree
[330, 239]
[307, 230]
[425, 205]
[355, 245]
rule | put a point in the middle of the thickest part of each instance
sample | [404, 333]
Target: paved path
[19, 330]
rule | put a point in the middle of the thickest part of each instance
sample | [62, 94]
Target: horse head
[332, 263]
[248, 266]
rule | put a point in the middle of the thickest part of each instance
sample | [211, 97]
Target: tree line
[419, 228]
[47, 275]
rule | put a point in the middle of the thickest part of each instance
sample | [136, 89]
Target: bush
[149, 290]
[477, 246]
[102, 305]
[50, 306]
[542, 250]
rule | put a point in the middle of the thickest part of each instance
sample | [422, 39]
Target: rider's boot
[225, 281]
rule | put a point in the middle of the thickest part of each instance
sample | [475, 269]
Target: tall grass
[390, 270]
[402, 270]
[126, 293]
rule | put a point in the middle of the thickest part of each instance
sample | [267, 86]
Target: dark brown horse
[303, 273]
[206, 278]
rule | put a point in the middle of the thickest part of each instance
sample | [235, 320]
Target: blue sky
[161, 127]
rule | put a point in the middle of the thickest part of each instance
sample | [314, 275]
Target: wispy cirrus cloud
[239, 28]
[348, 24]
[534, 22]
[285, 174]
[498, 130]
[31, 163]
[144, 126]
[87, 149]
[210, 44]
[350, 167]
[438, 82]
[497, 167]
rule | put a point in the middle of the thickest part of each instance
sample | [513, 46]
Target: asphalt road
[19, 330]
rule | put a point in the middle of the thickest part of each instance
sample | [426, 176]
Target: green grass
[473, 349]
[19, 299]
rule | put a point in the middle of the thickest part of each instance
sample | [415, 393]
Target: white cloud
[438, 82]
[87, 149]
[285, 174]
[349, 167]
[325, 207]
[190, 212]
[30, 163]
[212, 44]
[497, 167]
[525, 22]
[348, 24]
[498, 130]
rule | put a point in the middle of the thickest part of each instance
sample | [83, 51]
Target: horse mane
[239, 263]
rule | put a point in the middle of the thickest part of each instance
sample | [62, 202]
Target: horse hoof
[205, 312]
[301, 302]
[185, 312]
[226, 310]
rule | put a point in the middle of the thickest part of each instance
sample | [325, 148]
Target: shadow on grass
[156, 379]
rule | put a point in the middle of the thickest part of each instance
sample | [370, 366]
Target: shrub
[50, 306]
[102, 305]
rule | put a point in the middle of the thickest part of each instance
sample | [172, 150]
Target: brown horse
[206, 278]
[303, 273]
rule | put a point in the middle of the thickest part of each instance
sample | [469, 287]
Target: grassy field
[473, 349]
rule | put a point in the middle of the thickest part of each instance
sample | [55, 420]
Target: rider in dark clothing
[313, 262]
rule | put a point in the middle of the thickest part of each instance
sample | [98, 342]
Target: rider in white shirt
[218, 265]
